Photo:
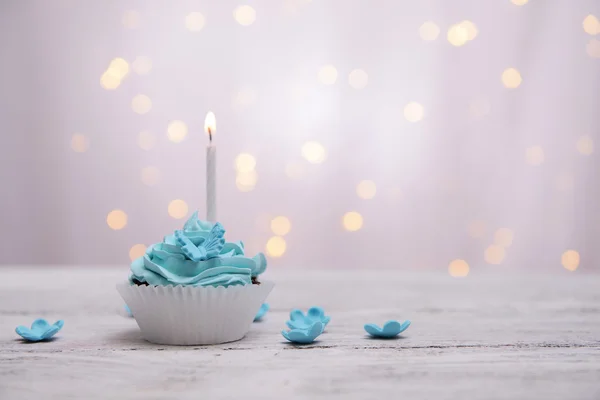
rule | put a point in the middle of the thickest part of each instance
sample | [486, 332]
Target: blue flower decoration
[304, 336]
[40, 330]
[128, 311]
[390, 329]
[261, 312]
[300, 321]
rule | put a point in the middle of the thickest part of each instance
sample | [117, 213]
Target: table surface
[493, 336]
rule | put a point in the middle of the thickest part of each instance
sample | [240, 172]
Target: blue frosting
[198, 255]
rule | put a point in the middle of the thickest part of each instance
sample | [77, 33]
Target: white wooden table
[494, 336]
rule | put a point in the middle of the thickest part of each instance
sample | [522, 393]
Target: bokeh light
[519, 2]
[246, 181]
[328, 75]
[476, 229]
[593, 48]
[570, 260]
[585, 145]
[146, 140]
[471, 29]
[276, 246]
[118, 67]
[314, 152]
[194, 21]
[141, 65]
[178, 209]
[352, 221]
[80, 143]
[511, 78]
[494, 254]
[294, 170]
[150, 176]
[534, 156]
[457, 35]
[131, 19]
[177, 131]
[116, 219]
[358, 79]
[458, 269]
[591, 25]
[245, 163]
[244, 15]
[414, 112]
[141, 104]
[366, 189]
[281, 225]
[137, 251]
[503, 237]
[109, 81]
[429, 31]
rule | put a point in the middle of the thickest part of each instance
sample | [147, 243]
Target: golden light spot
[244, 15]
[366, 189]
[534, 155]
[352, 221]
[511, 78]
[131, 19]
[294, 170]
[137, 251]
[503, 237]
[246, 181]
[116, 219]
[275, 246]
[141, 65]
[80, 143]
[458, 269]
[194, 21]
[141, 104]
[471, 29]
[457, 35]
[494, 254]
[593, 48]
[328, 75]
[150, 176]
[177, 131]
[244, 98]
[314, 152]
[281, 225]
[519, 2]
[591, 25]
[429, 31]
[118, 67]
[476, 229]
[585, 145]
[245, 162]
[109, 81]
[564, 182]
[570, 260]
[146, 140]
[358, 79]
[413, 112]
[178, 209]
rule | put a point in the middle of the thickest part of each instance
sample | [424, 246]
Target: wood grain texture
[493, 336]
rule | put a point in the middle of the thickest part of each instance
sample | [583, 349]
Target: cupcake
[195, 288]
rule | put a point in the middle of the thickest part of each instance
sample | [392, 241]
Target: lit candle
[210, 127]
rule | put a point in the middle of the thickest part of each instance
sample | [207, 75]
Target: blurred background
[446, 135]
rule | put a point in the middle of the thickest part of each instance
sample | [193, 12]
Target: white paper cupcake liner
[187, 315]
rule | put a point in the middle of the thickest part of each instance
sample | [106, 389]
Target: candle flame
[210, 123]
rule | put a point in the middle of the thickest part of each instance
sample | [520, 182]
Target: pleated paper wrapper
[187, 315]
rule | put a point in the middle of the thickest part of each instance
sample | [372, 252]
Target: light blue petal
[391, 328]
[373, 329]
[261, 312]
[404, 326]
[296, 315]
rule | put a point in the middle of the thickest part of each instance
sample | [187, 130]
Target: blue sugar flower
[128, 311]
[300, 321]
[304, 336]
[261, 312]
[40, 330]
[390, 329]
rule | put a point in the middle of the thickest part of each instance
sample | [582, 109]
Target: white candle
[210, 127]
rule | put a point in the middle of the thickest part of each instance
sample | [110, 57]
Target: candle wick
[209, 135]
